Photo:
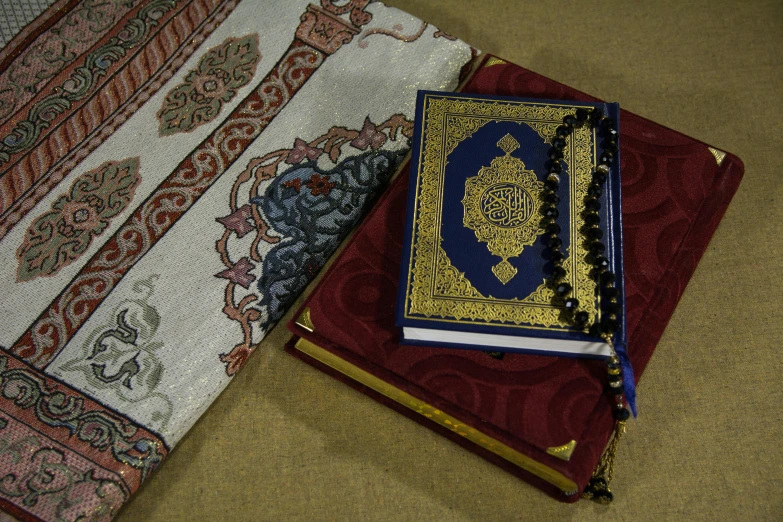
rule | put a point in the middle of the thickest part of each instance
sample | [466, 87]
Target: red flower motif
[319, 185]
[369, 136]
[239, 273]
[312, 269]
[295, 184]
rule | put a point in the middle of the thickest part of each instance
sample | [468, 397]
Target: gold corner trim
[453, 424]
[719, 154]
[494, 61]
[563, 452]
[304, 320]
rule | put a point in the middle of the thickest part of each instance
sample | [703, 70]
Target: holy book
[476, 269]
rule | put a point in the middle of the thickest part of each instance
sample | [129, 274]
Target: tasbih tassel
[620, 383]
[598, 487]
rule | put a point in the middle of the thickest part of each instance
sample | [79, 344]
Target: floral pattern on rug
[101, 372]
[52, 482]
[43, 114]
[59, 237]
[221, 72]
[311, 204]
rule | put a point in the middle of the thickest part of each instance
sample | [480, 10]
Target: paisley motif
[220, 73]
[58, 237]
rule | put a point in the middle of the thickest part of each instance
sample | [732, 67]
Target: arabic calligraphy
[506, 205]
[499, 203]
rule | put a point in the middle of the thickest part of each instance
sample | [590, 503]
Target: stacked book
[421, 277]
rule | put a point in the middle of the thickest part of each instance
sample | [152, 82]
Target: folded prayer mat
[172, 174]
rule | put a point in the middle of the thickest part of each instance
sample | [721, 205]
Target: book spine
[614, 225]
[407, 242]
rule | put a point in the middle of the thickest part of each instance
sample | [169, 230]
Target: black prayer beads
[609, 322]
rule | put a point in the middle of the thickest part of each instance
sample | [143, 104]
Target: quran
[475, 263]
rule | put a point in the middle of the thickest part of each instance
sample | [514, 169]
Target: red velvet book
[545, 419]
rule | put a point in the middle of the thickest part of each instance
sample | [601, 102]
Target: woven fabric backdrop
[172, 175]
[16, 15]
[286, 442]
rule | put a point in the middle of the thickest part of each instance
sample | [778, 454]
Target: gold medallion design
[438, 291]
[501, 203]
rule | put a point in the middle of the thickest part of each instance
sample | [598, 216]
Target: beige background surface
[285, 442]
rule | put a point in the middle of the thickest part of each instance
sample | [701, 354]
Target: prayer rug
[172, 174]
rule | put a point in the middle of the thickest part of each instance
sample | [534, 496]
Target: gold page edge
[542, 471]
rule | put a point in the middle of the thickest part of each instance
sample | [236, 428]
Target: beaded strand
[598, 488]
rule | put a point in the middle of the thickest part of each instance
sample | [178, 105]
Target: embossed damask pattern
[353, 314]
[673, 194]
[215, 81]
[58, 237]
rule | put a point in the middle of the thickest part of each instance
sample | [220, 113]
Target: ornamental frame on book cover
[438, 291]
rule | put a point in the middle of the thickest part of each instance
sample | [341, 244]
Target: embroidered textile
[172, 175]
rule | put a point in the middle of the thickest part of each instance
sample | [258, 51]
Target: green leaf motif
[221, 72]
[58, 237]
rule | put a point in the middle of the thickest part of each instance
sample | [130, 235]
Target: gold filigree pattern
[450, 281]
[305, 321]
[500, 203]
[508, 144]
[436, 289]
[563, 452]
[460, 128]
[544, 129]
[718, 154]
[465, 116]
[504, 271]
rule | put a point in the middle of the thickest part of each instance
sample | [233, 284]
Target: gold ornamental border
[436, 290]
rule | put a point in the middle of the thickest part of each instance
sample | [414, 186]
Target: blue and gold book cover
[474, 256]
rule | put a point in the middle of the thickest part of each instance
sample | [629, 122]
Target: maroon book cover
[675, 191]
